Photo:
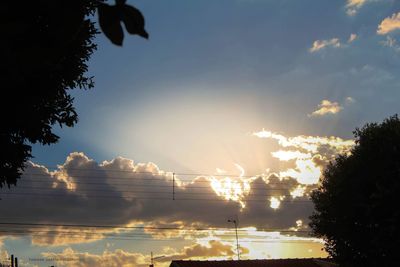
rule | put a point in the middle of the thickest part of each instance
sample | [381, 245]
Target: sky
[230, 111]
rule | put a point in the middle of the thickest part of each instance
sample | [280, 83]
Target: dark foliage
[110, 18]
[45, 46]
[356, 205]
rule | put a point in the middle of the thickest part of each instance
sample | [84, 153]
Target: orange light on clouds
[304, 150]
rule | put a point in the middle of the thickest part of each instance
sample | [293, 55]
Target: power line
[267, 241]
[57, 168]
[150, 192]
[133, 181]
[79, 231]
[84, 233]
[79, 234]
[150, 198]
[112, 178]
[30, 224]
[147, 236]
[119, 227]
[105, 183]
[139, 194]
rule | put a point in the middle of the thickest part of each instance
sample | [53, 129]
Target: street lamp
[154, 258]
[237, 239]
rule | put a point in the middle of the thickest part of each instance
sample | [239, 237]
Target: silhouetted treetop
[45, 47]
[356, 205]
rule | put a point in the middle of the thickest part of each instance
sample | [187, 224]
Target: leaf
[109, 20]
[134, 21]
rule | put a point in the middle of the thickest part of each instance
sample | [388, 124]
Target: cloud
[305, 171]
[389, 42]
[286, 155]
[299, 191]
[352, 38]
[310, 155]
[220, 171]
[71, 258]
[334, 42]
[3, 253]
[353, 6]
[389, 24]
[57, 236]
[349, 100]
[202, 249]
[214, 249]
[279, 196]
[392, 43]
[309, 143]
[121, 192]
[241, 169]
[326, 107]
[275, 202]
[321, 44]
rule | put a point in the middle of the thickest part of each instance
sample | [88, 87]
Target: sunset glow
[208, 125]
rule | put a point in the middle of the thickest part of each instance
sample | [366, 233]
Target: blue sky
[228, 84]
[233, 58]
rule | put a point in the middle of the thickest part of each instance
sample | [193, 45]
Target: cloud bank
[71, 258]
[121, 193]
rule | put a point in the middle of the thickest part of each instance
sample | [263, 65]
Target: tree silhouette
[44, 50]
[356, 205]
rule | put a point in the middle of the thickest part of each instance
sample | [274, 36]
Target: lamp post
[237, 239]
[152, 259]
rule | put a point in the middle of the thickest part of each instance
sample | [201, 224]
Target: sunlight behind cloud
[313, 153]
[308, 143]
[268, 244]
[306, 172]
[231, 189]
[241, 169]
[298, 192]
[220, 171]
[274, 203]
[165, 148]
[289, 155]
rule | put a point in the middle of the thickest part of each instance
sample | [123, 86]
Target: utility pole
[237, 239]
[173, 186]
[152, 259]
